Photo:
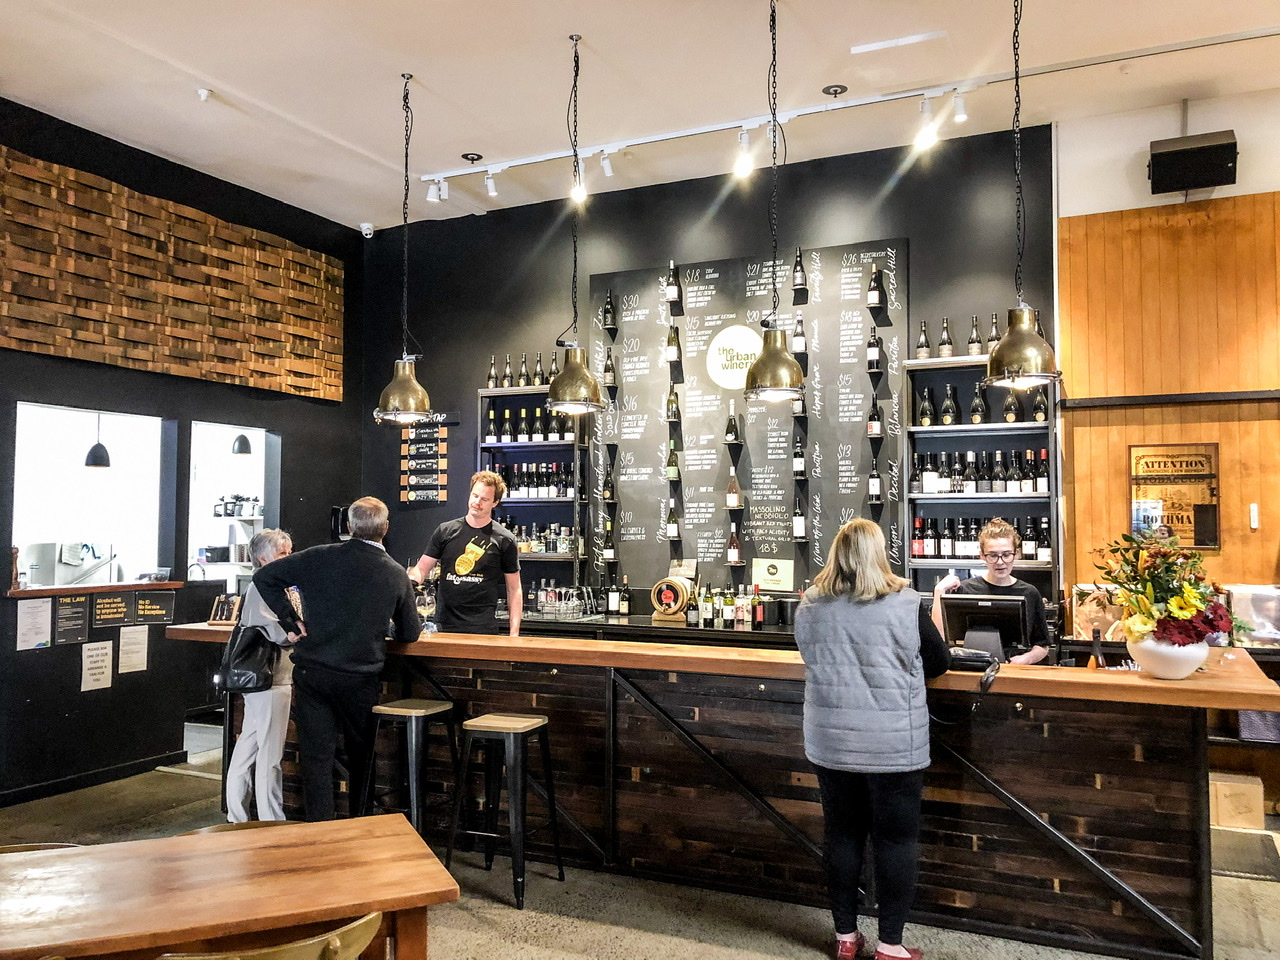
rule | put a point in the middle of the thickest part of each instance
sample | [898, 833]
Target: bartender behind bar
[477, 556]
[999, 543]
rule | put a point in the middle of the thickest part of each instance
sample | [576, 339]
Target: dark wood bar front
[1069, 808]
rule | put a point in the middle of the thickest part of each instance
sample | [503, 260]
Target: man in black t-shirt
[999, 543]
[477, 556]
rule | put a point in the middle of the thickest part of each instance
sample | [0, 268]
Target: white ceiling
[305, 103]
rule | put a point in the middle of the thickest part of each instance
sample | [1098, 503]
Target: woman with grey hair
[266, 713]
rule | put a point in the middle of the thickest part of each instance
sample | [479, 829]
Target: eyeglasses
[999, 557]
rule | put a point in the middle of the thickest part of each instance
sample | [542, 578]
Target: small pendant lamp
[404, 401]
[241, 445]
[98, 456]
[575, 389]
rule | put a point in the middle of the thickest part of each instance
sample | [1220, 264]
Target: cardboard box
[1235, 800]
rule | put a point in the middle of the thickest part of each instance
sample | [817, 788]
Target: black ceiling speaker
[1193, 163]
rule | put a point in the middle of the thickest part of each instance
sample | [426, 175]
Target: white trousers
[260, 748]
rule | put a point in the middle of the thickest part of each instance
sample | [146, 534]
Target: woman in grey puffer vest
[868, 647]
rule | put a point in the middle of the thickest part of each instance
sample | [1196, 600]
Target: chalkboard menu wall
[718, 325]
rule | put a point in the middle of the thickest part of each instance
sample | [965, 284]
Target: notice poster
[71, 619]
[1174, 493]
[95, 666]
[133, 649]
[34, 620]
[113, 609]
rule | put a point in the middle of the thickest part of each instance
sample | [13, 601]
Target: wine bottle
[672, 351]
[799, 529]
[1040, 406]
[606, 489]
[917, 538]
[875, 288]
[608, 315]
[733, 493]
[945, 346]
[522, 378]
[491, 428]
[984, 473]
[957, 475]
[726, 607]
[978, 410]
[536, 432]
[798, 408]
[922, 342]
[673, 522]
[741, 609]
[929, 478]
[492, 380]
[1029, 472]
[553, 427]
[1029, 543]
[915, 482]
[874, 345]
[874, 485]
[947, 540]
[799, 343]
[671, 291]
[969, 479]
[566, 428]
[974, 346]
[1096, 660]
[731, 432]
[999, 480]
[1042, 472]
[943, 482]
[930, 539]
[925, 415]
[624, 598]
[555, 367]
[993, 337]
[508, 434]
[875, 423]
[1012, 410]
[673, 465]
[797, 460]
[522, 426]
[1044, 546]
[717, 610]
[507, 378]
[539, 376]
[799, 279]
[734, 548]
[950, 412]
[611, 596]
[608, 376]
[757, 608]
[706, 607]
[1013, 473]
[673, 405]
[608, 551]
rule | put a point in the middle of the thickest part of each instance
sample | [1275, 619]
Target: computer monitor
[993, 623]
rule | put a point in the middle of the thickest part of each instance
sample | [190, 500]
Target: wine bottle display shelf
[971, 563]
[735, 563]
[952, 430]
[559, 557]
[946, 363]
[511, 391]
[534, 501]
[526, 444]
[977, 497]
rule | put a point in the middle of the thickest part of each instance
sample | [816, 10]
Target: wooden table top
[1231, 680]
[116, 897]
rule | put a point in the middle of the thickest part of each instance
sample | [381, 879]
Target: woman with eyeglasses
[868, 647]
[999, 543]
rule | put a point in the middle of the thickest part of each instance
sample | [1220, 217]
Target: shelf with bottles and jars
[975, 453]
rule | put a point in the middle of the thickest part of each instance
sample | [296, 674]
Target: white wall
[1102, 161]
[57, 499]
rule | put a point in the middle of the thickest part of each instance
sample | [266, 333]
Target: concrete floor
[593, 915]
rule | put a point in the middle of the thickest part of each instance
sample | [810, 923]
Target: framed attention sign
[1173, 492]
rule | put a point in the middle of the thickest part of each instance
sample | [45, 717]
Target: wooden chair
[26, 847]
[345, 943]
[247, 825]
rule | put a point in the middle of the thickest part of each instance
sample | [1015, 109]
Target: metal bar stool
[506, 735]
[415, 715]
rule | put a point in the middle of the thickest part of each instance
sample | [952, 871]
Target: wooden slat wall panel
[92, 270]
[1166, 300]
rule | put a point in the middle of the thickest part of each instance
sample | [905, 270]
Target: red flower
[1180, 633]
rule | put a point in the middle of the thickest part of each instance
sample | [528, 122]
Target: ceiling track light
[928, 133]
[490, 187]
[744, 164]
[433, 191]
[606, 165]
[959, 112]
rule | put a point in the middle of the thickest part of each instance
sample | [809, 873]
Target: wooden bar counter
[1070, 808]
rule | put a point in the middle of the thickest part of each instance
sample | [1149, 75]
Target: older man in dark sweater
[351, 593]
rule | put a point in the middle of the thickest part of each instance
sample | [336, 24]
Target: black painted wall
[43, 717]
[500, 282]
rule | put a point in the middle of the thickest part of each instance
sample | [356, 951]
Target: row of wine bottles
[551, 428]
[547, 538]
[537, 481]
[975, 346]
[977, 475]
[522, 377]
[945, 539]
[1012, 411]
[718, 609]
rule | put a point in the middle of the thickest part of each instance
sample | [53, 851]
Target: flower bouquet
[1171, 607]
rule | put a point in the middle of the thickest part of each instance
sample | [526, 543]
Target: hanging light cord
[405, 336]
[773, 143]
[1020, 216]
[571, 123]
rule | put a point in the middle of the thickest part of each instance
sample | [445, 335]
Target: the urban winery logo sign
[730, 353]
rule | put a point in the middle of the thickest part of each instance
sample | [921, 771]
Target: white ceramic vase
[1166, 661]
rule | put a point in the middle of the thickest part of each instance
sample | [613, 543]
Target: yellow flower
[1139, 626]
[1192, 596]
[1181, 609]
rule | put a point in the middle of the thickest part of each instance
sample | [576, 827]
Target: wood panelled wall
[92, 270]
[1172, 300]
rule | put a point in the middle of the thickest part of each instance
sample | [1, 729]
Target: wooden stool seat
[413, 708]
[503, 723]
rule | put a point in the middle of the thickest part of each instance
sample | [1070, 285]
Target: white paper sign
[133, 649]
[770, 573]
[95, 666]
[35, 623]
